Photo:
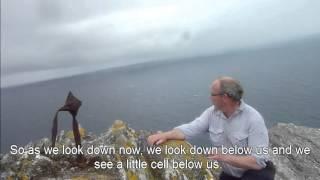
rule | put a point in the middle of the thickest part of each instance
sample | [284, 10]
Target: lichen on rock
[63, 166]
[66, 166]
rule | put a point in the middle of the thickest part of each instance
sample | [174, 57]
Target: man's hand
[218, 157]
[157, 139]
[162, 137]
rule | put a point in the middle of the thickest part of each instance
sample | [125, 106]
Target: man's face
[215, 96]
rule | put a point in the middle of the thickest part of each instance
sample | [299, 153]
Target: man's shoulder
[253, 113]
[210, 110]
[255, 120]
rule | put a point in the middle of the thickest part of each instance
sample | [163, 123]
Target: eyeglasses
[218, 94]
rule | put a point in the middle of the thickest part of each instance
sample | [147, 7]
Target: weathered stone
[62, 166]
[296, 166]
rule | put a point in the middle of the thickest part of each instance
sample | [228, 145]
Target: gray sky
[46, 39]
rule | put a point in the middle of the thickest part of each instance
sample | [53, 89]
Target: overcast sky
[46, 39]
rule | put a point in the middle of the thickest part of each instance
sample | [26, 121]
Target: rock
[82, 132]
[296, 166]
[62, 166]
[42, 166]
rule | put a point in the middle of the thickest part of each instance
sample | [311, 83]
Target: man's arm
[160, 138]
[182, 132]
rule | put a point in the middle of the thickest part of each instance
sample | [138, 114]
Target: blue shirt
[244, 128]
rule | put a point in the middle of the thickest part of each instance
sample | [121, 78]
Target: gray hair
[231, 87]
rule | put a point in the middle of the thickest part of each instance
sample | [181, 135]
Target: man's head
[225, 91]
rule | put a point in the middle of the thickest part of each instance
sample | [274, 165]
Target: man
[230, 123]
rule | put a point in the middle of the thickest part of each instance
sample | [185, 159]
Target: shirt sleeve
[198, 126]
[258, 140]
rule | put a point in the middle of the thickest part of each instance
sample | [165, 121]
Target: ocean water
[281, 82]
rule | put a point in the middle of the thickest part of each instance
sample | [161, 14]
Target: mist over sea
[281, 82]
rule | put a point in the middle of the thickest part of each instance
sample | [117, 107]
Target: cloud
[44, 36]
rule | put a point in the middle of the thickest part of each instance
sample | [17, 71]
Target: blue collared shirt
[244, 128]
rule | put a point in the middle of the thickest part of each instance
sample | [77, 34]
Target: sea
[280, 81]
